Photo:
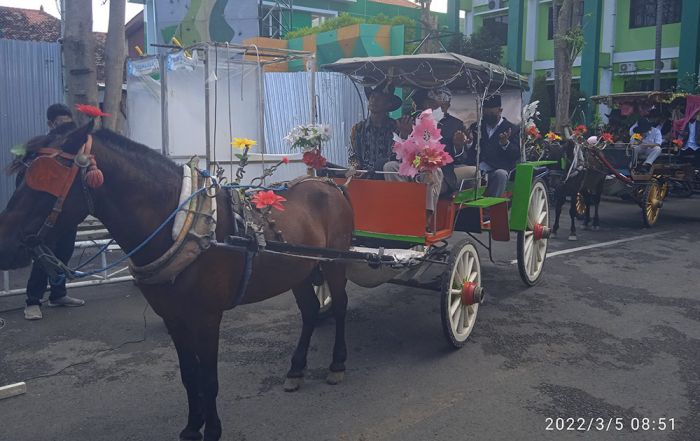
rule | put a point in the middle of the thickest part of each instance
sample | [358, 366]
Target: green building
[620, 37]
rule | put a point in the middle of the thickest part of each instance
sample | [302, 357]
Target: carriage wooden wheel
[532, 242]
[461, 293]
[652, 201]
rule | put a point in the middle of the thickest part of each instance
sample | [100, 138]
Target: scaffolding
[275, 17]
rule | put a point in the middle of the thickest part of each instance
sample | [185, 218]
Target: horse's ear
[77, 138]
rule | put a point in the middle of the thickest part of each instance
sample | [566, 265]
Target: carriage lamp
[472, 293]
[541, 232]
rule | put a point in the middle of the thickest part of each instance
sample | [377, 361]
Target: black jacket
[492, 152]
[449, 125]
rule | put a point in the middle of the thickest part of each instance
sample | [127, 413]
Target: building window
[578, 19]
[498, 27]
[643, 12]
[271, 22]
[636, 84]
[317, 20]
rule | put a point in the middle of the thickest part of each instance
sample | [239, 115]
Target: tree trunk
[563, 22]
[115, 51]
[79, 56]
[430, 29]
[657, 52]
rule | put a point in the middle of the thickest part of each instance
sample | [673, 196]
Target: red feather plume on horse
[91, 111]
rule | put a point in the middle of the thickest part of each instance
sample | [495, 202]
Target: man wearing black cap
[500, 145]
[372, 139]
[649, 146]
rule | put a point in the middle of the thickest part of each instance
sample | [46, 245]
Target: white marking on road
[596, 245]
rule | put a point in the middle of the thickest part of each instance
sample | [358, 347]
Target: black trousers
[38, 279]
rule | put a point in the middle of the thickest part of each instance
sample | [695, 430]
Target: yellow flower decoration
[243, 143]
[637, 137]
[553, 136]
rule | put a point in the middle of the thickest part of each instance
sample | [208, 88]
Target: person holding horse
[60, 122]
[649, 146]
[499, 146]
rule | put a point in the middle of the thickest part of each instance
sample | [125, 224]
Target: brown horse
[141, 188]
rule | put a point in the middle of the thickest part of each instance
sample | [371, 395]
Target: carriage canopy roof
[429, 71]
[649, 97]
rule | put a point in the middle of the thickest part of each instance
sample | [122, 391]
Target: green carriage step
[485, 202]
[540, 163]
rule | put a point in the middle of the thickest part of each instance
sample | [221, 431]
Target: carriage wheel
[580, 206]
[663, 190]
[323, 293]
[532, 243]
[651, 203]
[461, 293]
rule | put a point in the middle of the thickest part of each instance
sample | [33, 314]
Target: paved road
[612, 332]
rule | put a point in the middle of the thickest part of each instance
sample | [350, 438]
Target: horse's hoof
[596, 228]
[190, 435]
[293, 384]
[334, 378]
[573, 238]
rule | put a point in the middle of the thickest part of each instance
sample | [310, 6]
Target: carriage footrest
[485, 202]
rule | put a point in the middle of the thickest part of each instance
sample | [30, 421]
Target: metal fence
[30, 81]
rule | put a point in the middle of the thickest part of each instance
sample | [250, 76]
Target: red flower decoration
[678, 142]
[314, 159]
[580, 129]
[607, 137]
[532, 132]
[91, 111]
[285, 160]
[268, 198]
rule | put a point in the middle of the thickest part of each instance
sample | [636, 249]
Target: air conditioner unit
[628, 67]
[666, 64]
[549, 74]
[498, 4]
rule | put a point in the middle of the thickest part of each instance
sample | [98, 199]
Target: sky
[100, 12]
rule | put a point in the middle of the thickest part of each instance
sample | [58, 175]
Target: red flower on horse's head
[268, 198]
[285, 160]
[580, 129]
[91, 111]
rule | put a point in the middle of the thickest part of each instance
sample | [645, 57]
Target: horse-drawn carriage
[390, 216]
[668, 175]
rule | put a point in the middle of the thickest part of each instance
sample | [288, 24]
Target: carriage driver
[500, 146]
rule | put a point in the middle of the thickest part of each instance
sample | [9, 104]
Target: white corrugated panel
[30, 81]
[288, 104]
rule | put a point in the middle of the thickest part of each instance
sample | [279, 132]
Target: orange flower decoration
[607, 137]
[678, 142]
[580, 129]
[532, 132]
[268, 198]
[636, 137]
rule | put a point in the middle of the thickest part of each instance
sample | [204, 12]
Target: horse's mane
[159, 166]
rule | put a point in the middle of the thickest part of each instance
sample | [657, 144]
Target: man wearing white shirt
[649, 147]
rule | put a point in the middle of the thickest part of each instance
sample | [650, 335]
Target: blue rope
[100, 251]
[80, 274]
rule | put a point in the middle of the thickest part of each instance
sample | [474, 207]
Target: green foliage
[481, 45]
[346, 19]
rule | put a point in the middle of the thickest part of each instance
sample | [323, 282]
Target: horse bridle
[80, 162]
